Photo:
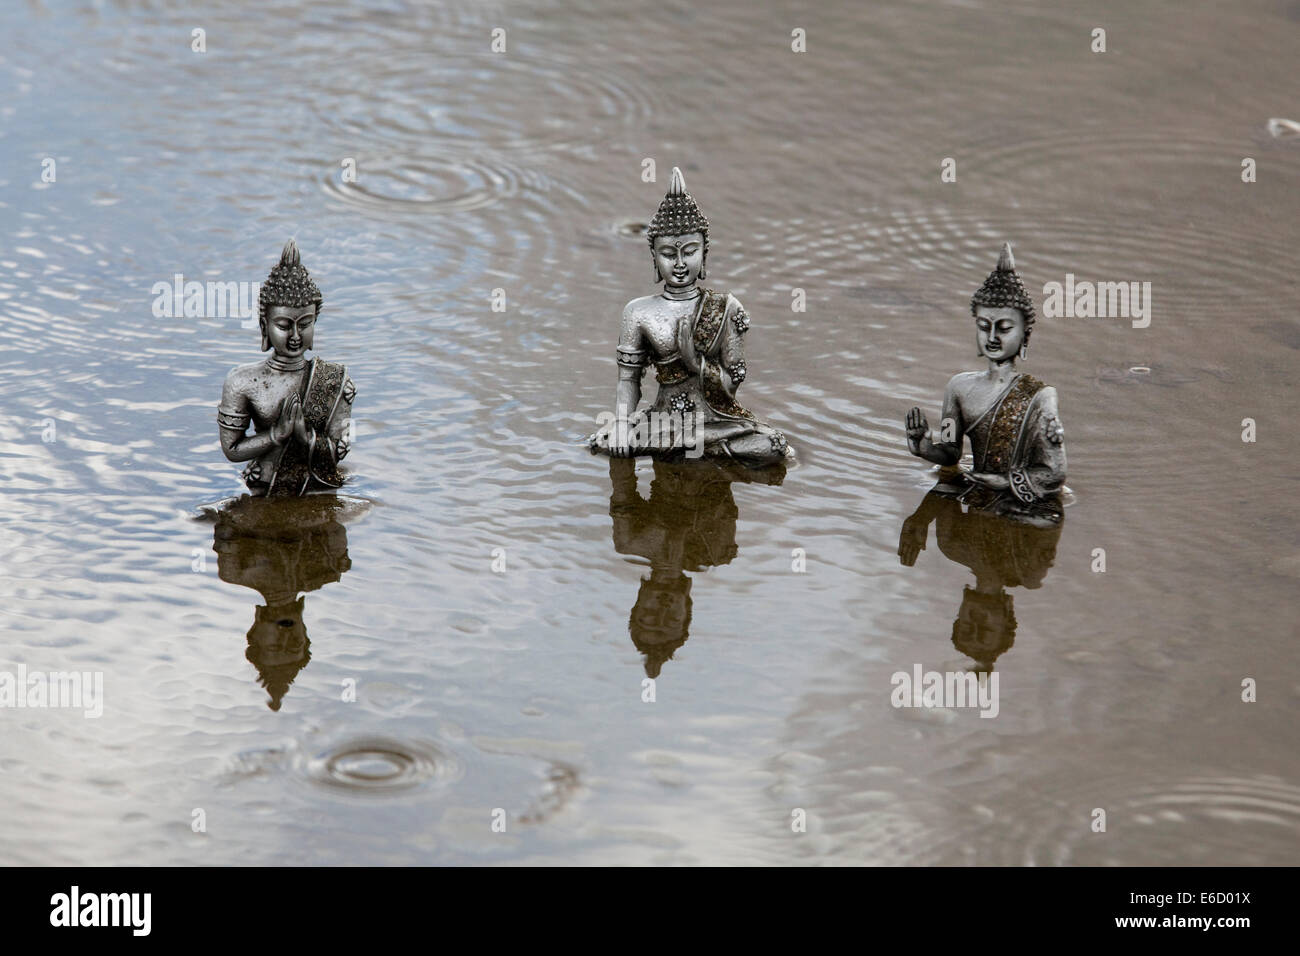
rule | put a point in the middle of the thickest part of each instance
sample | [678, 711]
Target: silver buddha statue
[694, 337]
[299, 408]
[1010, 417]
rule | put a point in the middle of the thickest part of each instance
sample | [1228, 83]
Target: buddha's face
[680, 259]
[278, 634]
[663, 608]
[983, 628]
[290, 329]
[662, 613]
[999, 333]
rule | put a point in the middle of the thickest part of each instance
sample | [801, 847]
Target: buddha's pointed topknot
[1005, 288]
[288, 284]
[1005, 262]
[677, 214]
[677, 185]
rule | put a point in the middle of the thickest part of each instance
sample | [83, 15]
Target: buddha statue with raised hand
[694, 337]
[1011, 417]
[299, 408]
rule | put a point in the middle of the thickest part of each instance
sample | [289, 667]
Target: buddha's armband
[631, 363]
[228, 420]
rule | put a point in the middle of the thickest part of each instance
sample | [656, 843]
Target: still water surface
[521, 689]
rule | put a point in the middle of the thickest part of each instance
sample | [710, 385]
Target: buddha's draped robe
[692, 383]
[1020, 436]
[326, 393]
[298, 466]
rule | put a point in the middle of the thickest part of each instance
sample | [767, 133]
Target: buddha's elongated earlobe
[266, 342]
[1024, 347]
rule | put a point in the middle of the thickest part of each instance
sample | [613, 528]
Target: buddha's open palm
[917, 429]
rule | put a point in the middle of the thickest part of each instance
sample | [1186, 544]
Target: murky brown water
[522, 690]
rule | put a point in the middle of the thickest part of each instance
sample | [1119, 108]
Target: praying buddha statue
[1001, 551]
[695, 338]
[1011, 418]
[299, 408]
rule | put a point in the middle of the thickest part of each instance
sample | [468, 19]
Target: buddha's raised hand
[918, 428]
[300, 429]
[284, 424]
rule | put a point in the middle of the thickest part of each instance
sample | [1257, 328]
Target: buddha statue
[1011, 417]
[1001, 551]
[694, 337]
[299, 408]
[282, 553]
[687, 524]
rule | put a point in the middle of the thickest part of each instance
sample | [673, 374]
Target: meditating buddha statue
[1011, 417]
[694, 337]
[299, 408]
[1002, 552]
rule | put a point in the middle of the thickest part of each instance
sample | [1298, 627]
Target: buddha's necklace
[274, 363]
[694, 292]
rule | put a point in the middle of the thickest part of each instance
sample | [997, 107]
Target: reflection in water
[1003, 552]
[687, 524]
[479, 171]
[281, 549]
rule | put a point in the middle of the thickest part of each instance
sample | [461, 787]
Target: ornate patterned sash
[995, 437]
[708, 328]
[713, 310]
[297, 466]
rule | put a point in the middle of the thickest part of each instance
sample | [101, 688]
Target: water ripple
[379, 765]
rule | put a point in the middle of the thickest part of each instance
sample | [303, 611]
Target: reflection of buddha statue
[280, 549]
[1001, 551]
[694, 337]
[299, 409]
[687, 524]
[1011, 418]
